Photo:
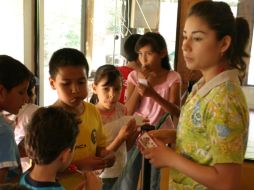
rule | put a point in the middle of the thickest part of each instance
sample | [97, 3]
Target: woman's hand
[167, 136]
[159, 156]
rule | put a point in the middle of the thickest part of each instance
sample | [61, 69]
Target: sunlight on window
[62, 28]
[12, 29]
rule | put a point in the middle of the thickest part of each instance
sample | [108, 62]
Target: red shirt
[125, 71]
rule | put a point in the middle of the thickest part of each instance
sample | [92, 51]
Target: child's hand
[167, 136]
[108, 157]
[146, 90]
[128, 130]
[91, 182]
[91, 163]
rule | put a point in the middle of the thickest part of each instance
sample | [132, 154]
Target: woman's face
[201, 49]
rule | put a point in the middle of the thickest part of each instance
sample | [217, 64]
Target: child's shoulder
[173, 75]
[90, 109]
[121, 108]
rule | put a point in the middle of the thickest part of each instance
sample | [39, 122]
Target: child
[68, 70]
[132, 62]
[212, 131]
[25, 113]
[14, 80]
[107, 88]
[21, 121]
[152, 91]
[49, 141]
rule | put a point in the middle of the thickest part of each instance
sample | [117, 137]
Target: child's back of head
[14, 80]
[129, 47]
[51, 131]
[12, 72]
[67, 57]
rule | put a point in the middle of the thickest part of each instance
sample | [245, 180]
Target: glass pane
[106, 33]
[251, 64]
[12, 29]
[168, 14]
[62, 28]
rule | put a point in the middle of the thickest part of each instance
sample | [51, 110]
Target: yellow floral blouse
[213, 126]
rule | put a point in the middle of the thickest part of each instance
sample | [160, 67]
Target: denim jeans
[130, 179]
[107, 183]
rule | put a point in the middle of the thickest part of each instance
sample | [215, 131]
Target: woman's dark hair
[129, 47]
[51, 130]
[12, 72]
[219, 18]
[110, 72]
[158, 44]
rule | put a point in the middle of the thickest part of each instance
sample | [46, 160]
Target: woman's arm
[219, 176]
[167, 136]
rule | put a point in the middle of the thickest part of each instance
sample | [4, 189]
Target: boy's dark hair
[129, 47]
[220, 19]
[67, 57]
[110, 72]
[12, 72]
[50, 131]
[11, 186]
[32, 83]
[157, 43]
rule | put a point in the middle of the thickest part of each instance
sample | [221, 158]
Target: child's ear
[52, 83]
[2, 93]
[163, 53]
[94, 88]
[65, 155]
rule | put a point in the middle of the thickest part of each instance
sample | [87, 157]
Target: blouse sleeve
[227, 122]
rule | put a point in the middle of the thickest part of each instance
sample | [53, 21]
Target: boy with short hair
[68, 70]
[132, 62]
[49, 141]
[14, 81]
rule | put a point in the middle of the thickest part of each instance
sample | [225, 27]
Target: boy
[49, 141]
[68, 71]
[132, 62]
[14, 80]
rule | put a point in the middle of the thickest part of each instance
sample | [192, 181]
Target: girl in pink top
[155, 89]
[151, 92]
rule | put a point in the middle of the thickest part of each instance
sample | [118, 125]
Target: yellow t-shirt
[91, 137]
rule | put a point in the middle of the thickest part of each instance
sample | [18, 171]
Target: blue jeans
[130, 180]
[107, 183]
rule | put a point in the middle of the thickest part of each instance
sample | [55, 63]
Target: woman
[212, 130]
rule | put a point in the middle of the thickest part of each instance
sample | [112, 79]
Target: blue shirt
[27, 181]
[9, 154]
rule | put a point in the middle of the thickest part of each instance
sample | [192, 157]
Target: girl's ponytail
[240, 43]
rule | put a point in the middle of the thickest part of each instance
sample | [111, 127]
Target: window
[62, 28]
[12, 29]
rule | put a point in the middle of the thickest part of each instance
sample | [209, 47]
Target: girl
[157, 92]
[107, 89]
[212, 129]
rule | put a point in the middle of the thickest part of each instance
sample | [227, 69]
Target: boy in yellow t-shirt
[68, 69]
